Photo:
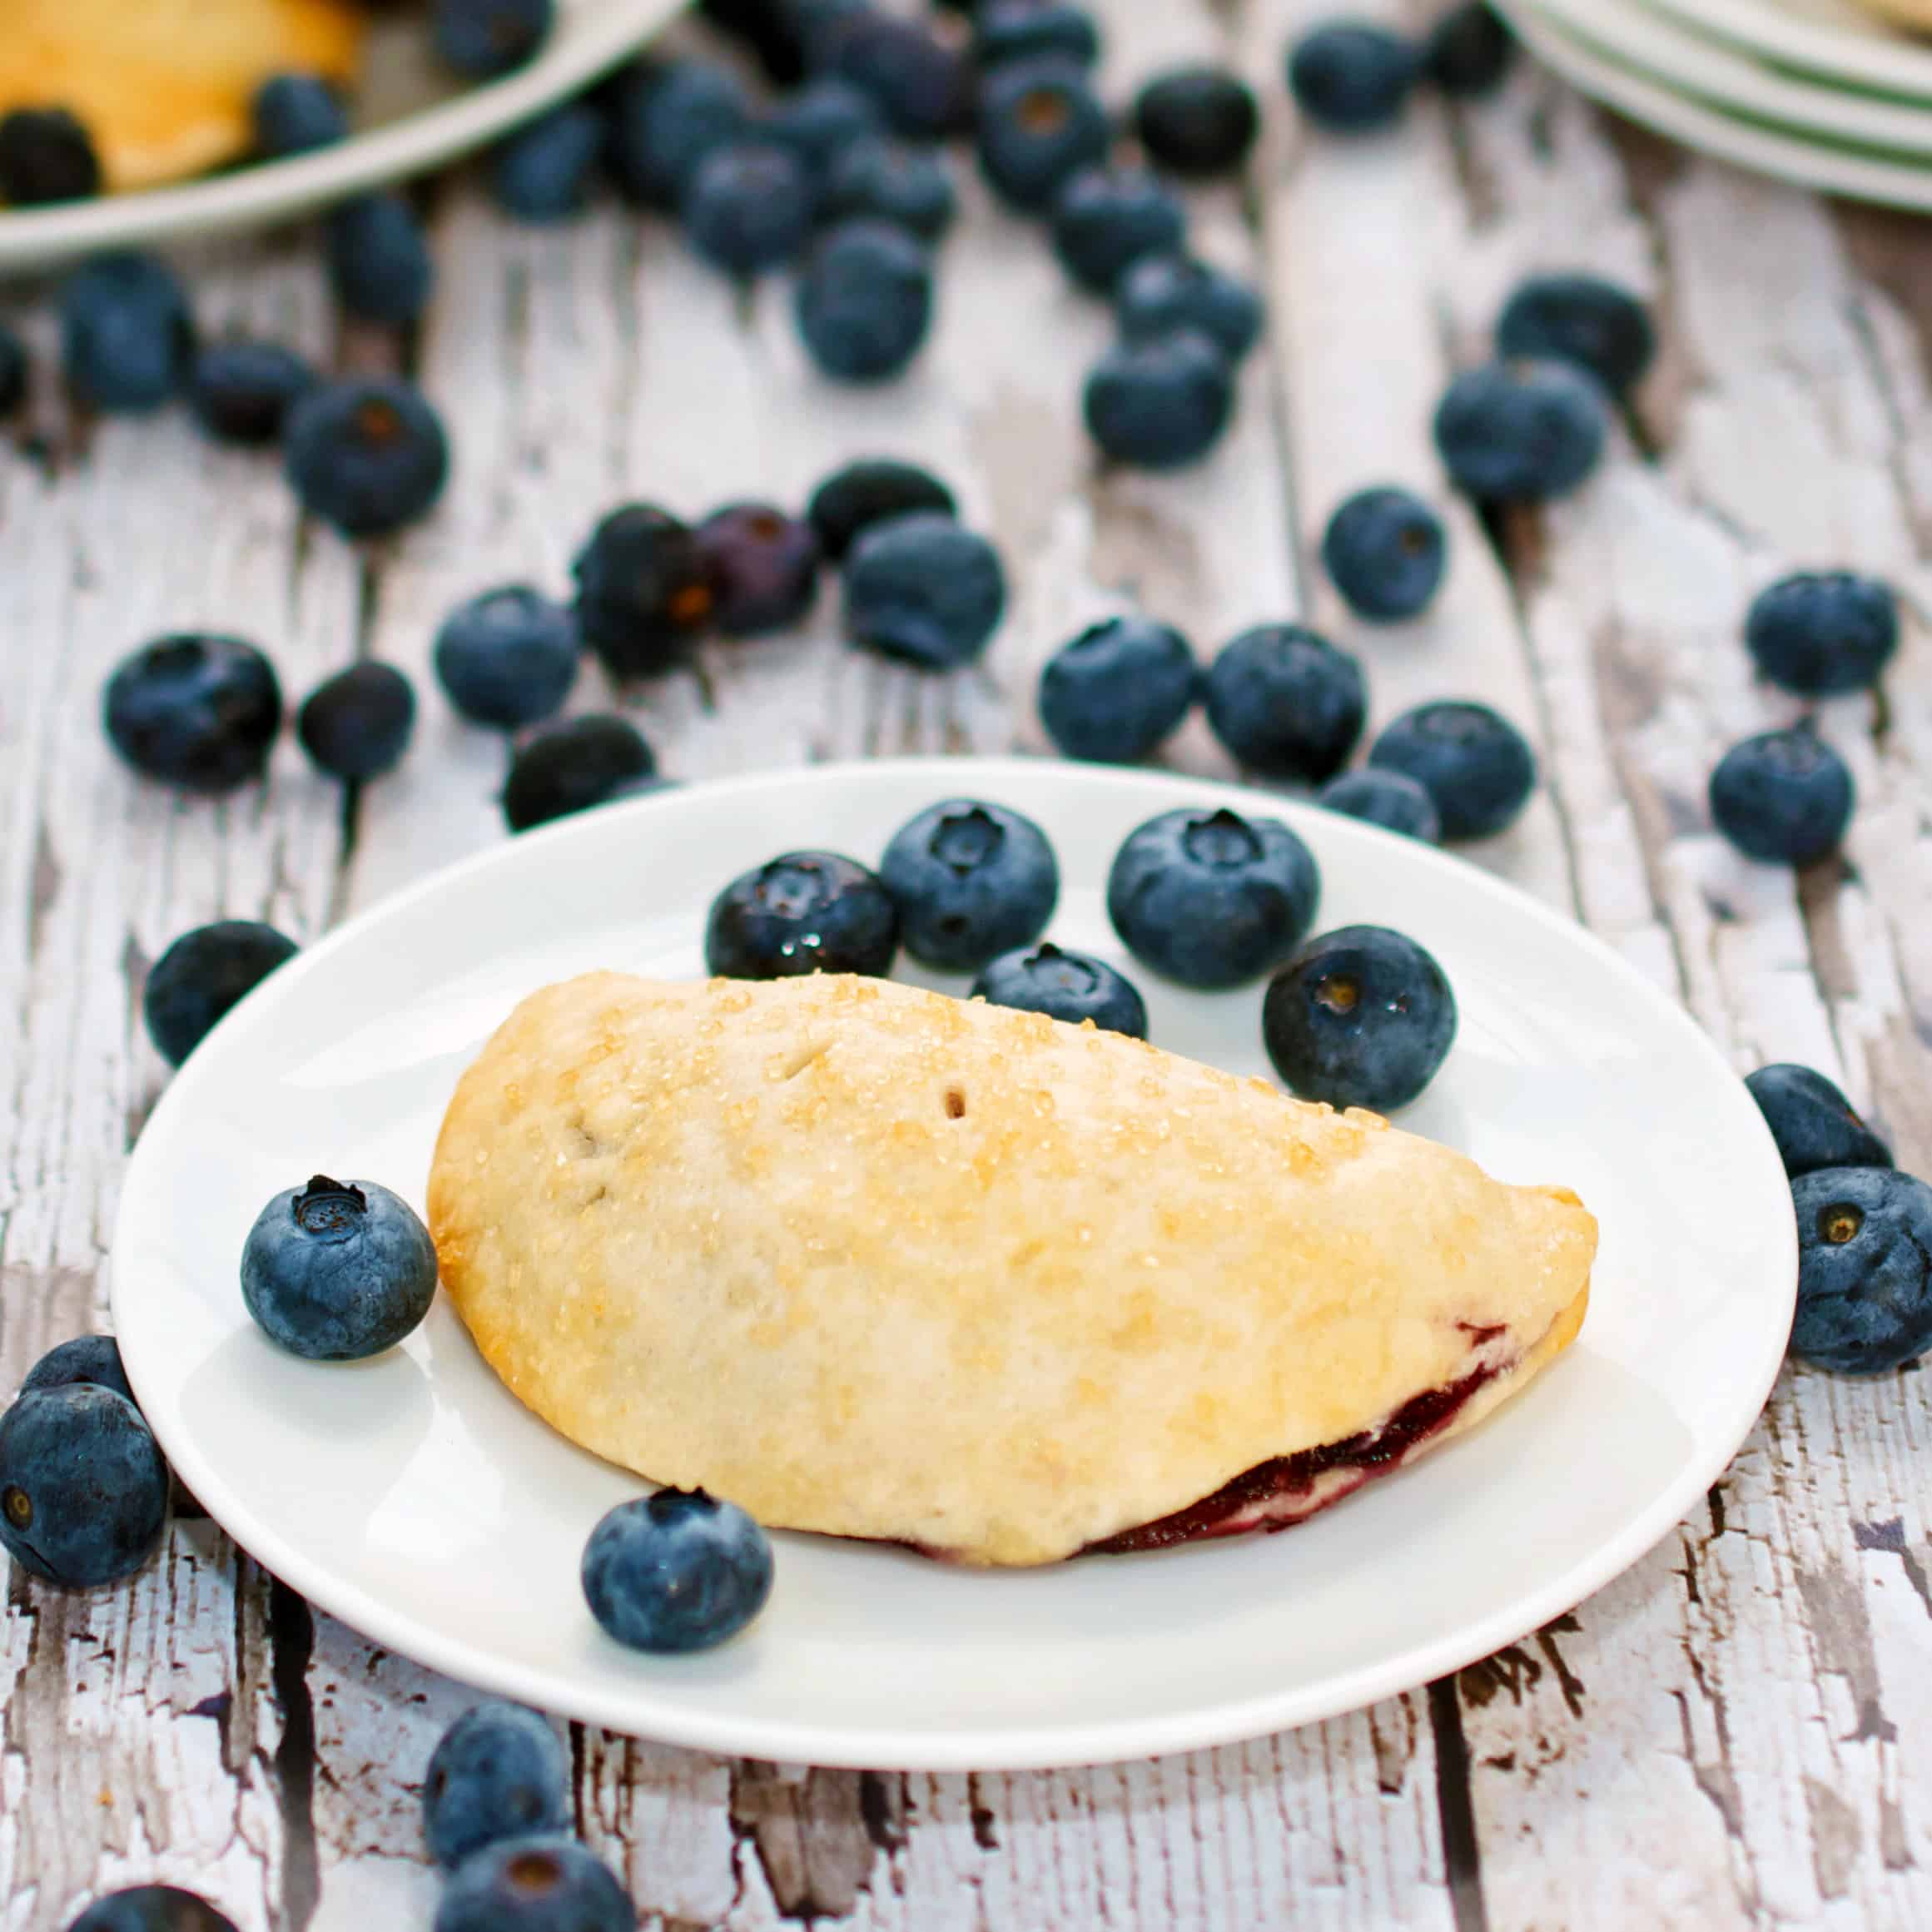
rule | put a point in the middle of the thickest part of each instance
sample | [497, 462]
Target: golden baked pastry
[877, 1263]
[163, 87]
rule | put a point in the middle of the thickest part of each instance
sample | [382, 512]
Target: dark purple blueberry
[1286, 703]
[194, 710]
[357, 724]
[1197, 120]
[1581, 320]
[971, 881]
[573, 766]
[678, 1571]
[1040, 123]
[646, 591]
[870, 491]
[201, 975]
[1812, 1122]
[499, 1771]
[765, 564]
[1783, 797]
[295, 113]
[1823, 633]
[804, 912]
[1475, 765]
[1162, 403]
[1073, 986]
[126, 335]
[83, 1488]
[508, 657]
[367, 455]
[926, 589]
[45, 154]
[241, 392]
[1865, 1270]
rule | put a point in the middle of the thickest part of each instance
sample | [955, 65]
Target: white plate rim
[1891, 65]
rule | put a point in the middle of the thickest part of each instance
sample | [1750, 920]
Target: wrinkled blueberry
[573, 766]
[541, 1884]
[871, 490]
[83, 1488]
[881, 179]
[922, 85]
[1197, 120]
[45, 154]
[748, 207]
[1475, 765]
[925, 588]
[201, 975]
[1021, 30]
[126, 336]
[1116, 691]
[1385, 549]
[864, 302]
[1865, 1268]
[379, 257]
[92, 1360]
[677, 1570]
[483, 38]
[1390, 799]
[1040, 123]
[1163, 294]
[356, 725]
[971, 881]
[1823, 633]
[367, 455]
[664, 121]
[803, 912]
[1162, 403]
[1351, 76]
[294, 113]
[152, 1908]
[645, 591]
[1105, 219]
[194, 710]
[241, 392]
[1581, 320]
[1072, 986]
[765, 564]
[1521, 431]
[1812, 1122]
[1784, 797]
[543, 172]
[508, 658]
[1468, 50]
[818, 123]
[499, 1771]
[1286, 703]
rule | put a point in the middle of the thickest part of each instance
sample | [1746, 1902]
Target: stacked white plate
[1818, 91]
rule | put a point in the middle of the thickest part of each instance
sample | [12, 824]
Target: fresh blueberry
[677, 1570]
[193, 710]
[1286, 703]
[545, 1883]
[127, 337]
[1072, 986]
[1106, 219]
[508, 658]
[1823, 633]
[1475, 765]
[483, 38]
[1351, 76]
[1812, 1122]
[12, 371]
[1162, 403]
[971, 881]
[379, 258]
[869, 491]
[865, 300]
[1162, 293]
[645, 591]
[241, 392]
[356, 725]
[1468, 50]
[92, 1360]
[1385, 550]
[338, 1270]
[1040, 123]
[881, 179]
[1581, 320]
[804, 912]
[666, 120]
[498, 1772]
[1784, 797]
[543, 172]
[573, 766]
[1390, 799]
[1198, 122]
[367, 455]
[1116, 691]
[152, 1908]
[1211, 899]
[1021, 30]
[748, 207]
[294, 113]
[201, 975]
[923, 84]
[818, 122]
[765, 564]
[1521, 431]
[45, 154]
[83, 1488]
[925, 588]
[1865, 1268]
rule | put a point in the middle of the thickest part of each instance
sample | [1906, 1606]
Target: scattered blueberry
[295, 113]
[1581, 320]
[543, 172]
[677, 1570]
[379, 257]
[1286, 703]
[484, 38]
[1475, 765]
[1019, 30]
[765, 564]
[805, 912]
[1211, 899]
[1040, 123]
[925, 588]
[1468, 50]
[573, 766]
[645, 591]
[1072, 986]
[1161, 403]
[820, 121]
[1385, 550]
[1163, 293]
[498, 1772]
[923, 85]
[666, 120]
[748, 207]
[241, 392]
[1520, 431]
[45, 154]
[193, 710]
[865, 300]
[508, 658]
[1118, 690]
[93, 1359]
[1105, 219]
[366, 454]
[338, 1270]
[1390, 799]
[884, 179]
[971, 881]
[1823, 633]
[201, 975]
[1784, 797]
[1812, 1122]
[541, 1884]
[12, 371]
[357, 724]
[870, 491]
[152, 1908]
[1865, 1268]
[127, 337]
[1197, 121]
[1351, 76]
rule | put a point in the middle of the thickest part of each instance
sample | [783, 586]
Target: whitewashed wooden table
[1739, 1733]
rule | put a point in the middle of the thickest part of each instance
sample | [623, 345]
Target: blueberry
[776, 32]
[1072, 986]
[1351, 76]
[1784, 797]
[925, 588]
[1581, 320]
[922, 85]
[1162, 293]
[126, 338]
[1106, 219]
[573, 766]
[338, 1270]
[1211, 899]
[201, 975]
[1116, 691]
[1162, 403]
[1040, 123]
[379, 258]
[12, 371]
[1475, 765]
[295, 113]
[356, 725]
[1197, 121]
[646, 593]
[1020, 29]
[666, 120]
[367, 455]
[1390, 799]
[1521, 431]
[1823, 633]
[1468, 50]
[884, 179]
[678, 1571]
[1286, 703]
[241, 392]
[45, 154]
[1359, 1017]
[1812, 1122]
[1385, 550]
[765, 564]
[543, 172]
[1865, 1268]
[508, 658]
[803, 912]
[545, 1883]
[864, 303]
[748, 207]
[499, 1771]
[193, 710]
[820, 121]
[971, 881]
[870, 491]
[83, 1488]
[92, 1360]
[483, 38]
[152, 1908]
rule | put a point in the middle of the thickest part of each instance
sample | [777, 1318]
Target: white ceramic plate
[1834, 37]
[413, 1497]
[590, 36]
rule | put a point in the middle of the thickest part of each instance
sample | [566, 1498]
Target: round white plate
[590, 36]
[413, 1497]
[1835, 38]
